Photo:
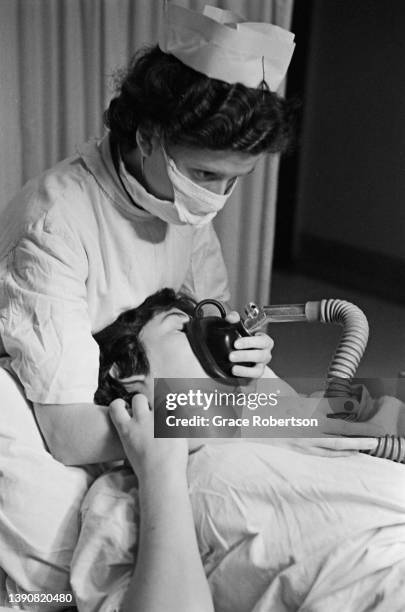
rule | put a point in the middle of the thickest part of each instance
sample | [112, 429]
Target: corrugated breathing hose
[345, 363]
[346, 358]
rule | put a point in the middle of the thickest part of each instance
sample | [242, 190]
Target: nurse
[132, 213]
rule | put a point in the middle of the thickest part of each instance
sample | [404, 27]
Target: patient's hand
[168, 573]
[256, 349]
[146, 453]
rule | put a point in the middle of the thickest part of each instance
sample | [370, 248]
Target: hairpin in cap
[222, 45]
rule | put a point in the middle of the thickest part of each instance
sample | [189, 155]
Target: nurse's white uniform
[75, 252]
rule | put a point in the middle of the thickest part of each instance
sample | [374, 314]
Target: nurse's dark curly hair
[120, 345]
[186, 107]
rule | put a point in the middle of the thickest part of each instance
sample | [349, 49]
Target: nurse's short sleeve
[207, 276]
[44, 320]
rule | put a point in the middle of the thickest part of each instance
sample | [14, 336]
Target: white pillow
[40, 500]
[16, 415]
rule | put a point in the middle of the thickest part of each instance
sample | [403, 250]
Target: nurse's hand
[254, 349]
[325, 447]
[356, 430]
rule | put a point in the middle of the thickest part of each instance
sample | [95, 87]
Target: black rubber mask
[212, 339]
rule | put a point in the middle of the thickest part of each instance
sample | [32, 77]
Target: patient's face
[168, 350]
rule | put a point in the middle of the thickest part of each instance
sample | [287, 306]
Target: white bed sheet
[277, 530]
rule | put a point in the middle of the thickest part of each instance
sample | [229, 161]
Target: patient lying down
[277, 528]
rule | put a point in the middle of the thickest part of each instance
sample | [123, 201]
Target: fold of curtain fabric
[57, 61]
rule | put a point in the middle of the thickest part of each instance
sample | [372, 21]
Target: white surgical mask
[195, 205]
[192, 205]
[163, 209]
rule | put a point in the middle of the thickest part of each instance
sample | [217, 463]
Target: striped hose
[345, 362]
[351, 347]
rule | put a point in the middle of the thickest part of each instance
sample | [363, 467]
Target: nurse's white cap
[222, 45]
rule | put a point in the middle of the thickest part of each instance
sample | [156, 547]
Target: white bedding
[40, 500]
[277, 530]
[256, 509]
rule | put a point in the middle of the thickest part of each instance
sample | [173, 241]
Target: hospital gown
[75, 252]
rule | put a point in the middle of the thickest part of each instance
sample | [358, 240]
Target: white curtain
[57, 58]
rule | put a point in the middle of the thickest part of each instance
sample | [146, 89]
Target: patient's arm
[168, 574]
[78, 434]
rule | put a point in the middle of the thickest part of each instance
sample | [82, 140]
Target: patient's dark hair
[120, 345]
[158, 92]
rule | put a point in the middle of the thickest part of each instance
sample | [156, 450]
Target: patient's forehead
[168, 321]
[170, 312]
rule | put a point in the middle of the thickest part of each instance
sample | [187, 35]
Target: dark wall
[351, 189]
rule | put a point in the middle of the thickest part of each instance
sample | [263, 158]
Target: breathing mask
[212, 339]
